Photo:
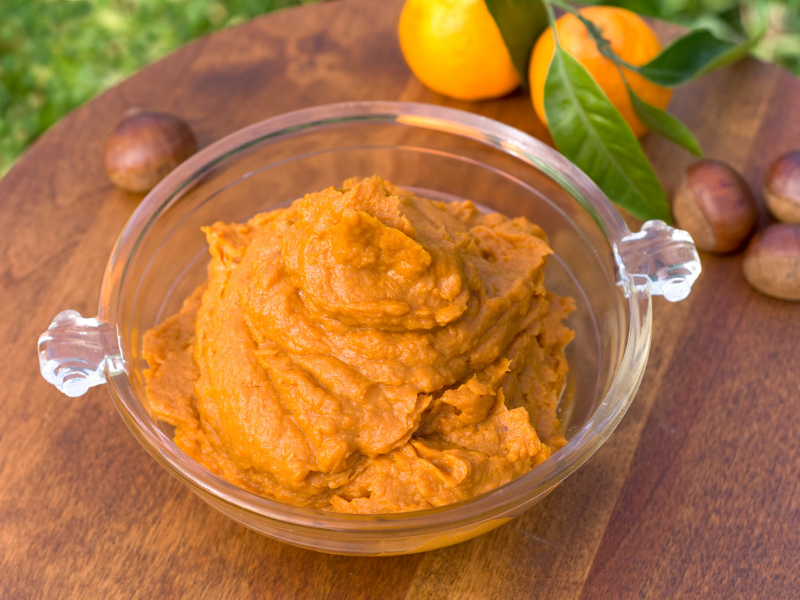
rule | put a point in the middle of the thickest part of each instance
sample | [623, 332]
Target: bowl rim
[490, 505]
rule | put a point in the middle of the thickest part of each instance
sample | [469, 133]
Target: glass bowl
[442, 153]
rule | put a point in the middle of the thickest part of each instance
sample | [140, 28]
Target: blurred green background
[56, 54]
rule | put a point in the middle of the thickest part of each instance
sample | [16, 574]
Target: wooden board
[694, 496]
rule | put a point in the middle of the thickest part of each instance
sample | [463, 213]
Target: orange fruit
[455, 48]
[631, 38]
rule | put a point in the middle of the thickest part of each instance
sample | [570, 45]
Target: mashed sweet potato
[366, 350]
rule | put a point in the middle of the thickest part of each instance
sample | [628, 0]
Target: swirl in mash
[366, 350]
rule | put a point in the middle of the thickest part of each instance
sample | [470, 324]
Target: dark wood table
[696, 495]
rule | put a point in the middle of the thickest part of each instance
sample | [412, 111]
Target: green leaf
[521, 22]
[664, 124]
[590, 132]
[691, 56]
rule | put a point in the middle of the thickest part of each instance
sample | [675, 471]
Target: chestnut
[772, 261]
[782, 188]
[144, 147]
[715, 205]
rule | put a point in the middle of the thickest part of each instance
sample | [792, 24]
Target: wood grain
[695, 495]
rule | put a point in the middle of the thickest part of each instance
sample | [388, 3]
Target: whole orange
[631, 39]
[455, 48]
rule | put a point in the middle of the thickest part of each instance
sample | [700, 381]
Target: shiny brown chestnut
[715, 205]
[782, 188]
[772, 261]
[144, 147]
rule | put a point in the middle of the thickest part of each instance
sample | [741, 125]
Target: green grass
[57, 54]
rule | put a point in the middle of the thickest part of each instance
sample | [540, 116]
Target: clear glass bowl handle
[661, 257]
[77, 353]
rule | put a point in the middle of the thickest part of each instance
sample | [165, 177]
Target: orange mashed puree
[366, 350]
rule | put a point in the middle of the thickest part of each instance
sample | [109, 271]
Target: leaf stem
[603, 45]
[551, 17]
